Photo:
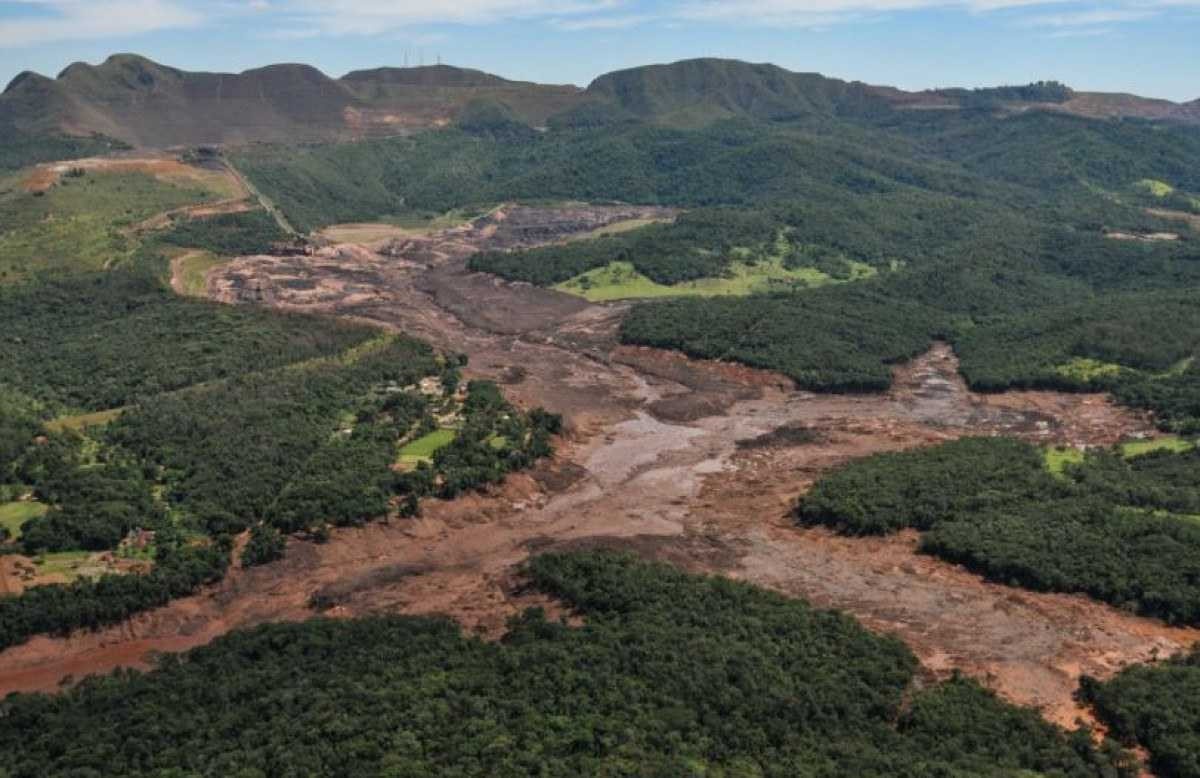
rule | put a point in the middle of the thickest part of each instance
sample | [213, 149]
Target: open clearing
[422, 449]
[164, 167]
[617, 228]
[1084, 369]
[651, 461]
[1058, 458]
[190, 269]
[88, 222]
[621, 281]
[14, 514]
[1137, 448]
[377, 234]
[1156, 188]
[83, 420]
[18, 572]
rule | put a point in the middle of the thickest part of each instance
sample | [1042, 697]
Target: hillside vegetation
[1158, 707]
[683, 676]
[988, 232]
[1125, 531]
[144, 103]
[83, 223]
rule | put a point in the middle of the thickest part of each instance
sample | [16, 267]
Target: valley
[655, 459]
[710, 420]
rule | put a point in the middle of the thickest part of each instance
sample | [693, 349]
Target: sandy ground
[165, 167]
[1191, 219]
[650, 462]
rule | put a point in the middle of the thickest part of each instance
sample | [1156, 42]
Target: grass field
[83, 420]
[1084, 369]
[402, 226]
[616, 228]
[1156, 188]
[14, 514]
[1171, 443]
[422, 449]
[69, 565]
[1057, 459]
[620, 281]
[189, 269]
[82, 223]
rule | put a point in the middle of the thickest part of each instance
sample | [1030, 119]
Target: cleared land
[1173, 443]
[620, 227]
[84, 420]
[18, 573]
[1058, 458]
[84, 221]
[422, 449]
[166, 169]
[189, 272]
[399, 227]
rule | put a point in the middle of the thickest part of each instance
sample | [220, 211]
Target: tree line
[1121, 531]
[671, 674]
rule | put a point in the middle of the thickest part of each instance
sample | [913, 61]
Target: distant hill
[140, 102]
[698, 91]
[695, 92]
[426, 76]
[1103, 105]
[143, 103]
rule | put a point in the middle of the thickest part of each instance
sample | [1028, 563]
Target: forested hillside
[670, 675]
[1121, 530]
[161, 438]
[140, 431]
[1158, 707]
[235, 419]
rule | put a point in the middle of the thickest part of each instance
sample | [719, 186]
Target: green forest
[227, 234]
[1122, 530]
[1156, 706]
[670, 675]
[19, 149]
[1050, 251]
[95, 341]
[990, 234]
[223, 419]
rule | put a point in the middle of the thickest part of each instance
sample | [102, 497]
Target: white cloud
[1081, 32]
[373, 17]
[46, 21]
[1091, 18]
[603, 22]
[32, 22]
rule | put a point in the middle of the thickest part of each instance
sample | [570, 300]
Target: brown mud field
[696, 463]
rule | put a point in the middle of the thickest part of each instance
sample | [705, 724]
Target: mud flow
[697, 463]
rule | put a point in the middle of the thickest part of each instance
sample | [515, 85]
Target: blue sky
[1151, 47]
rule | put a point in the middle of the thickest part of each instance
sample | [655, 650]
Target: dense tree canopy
[1122, 531]
[1158, 707]
[672, 675]
[230, 234]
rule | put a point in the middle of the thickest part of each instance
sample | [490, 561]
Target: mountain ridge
[133, 99]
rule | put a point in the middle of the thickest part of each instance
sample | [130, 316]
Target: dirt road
[652, 462]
